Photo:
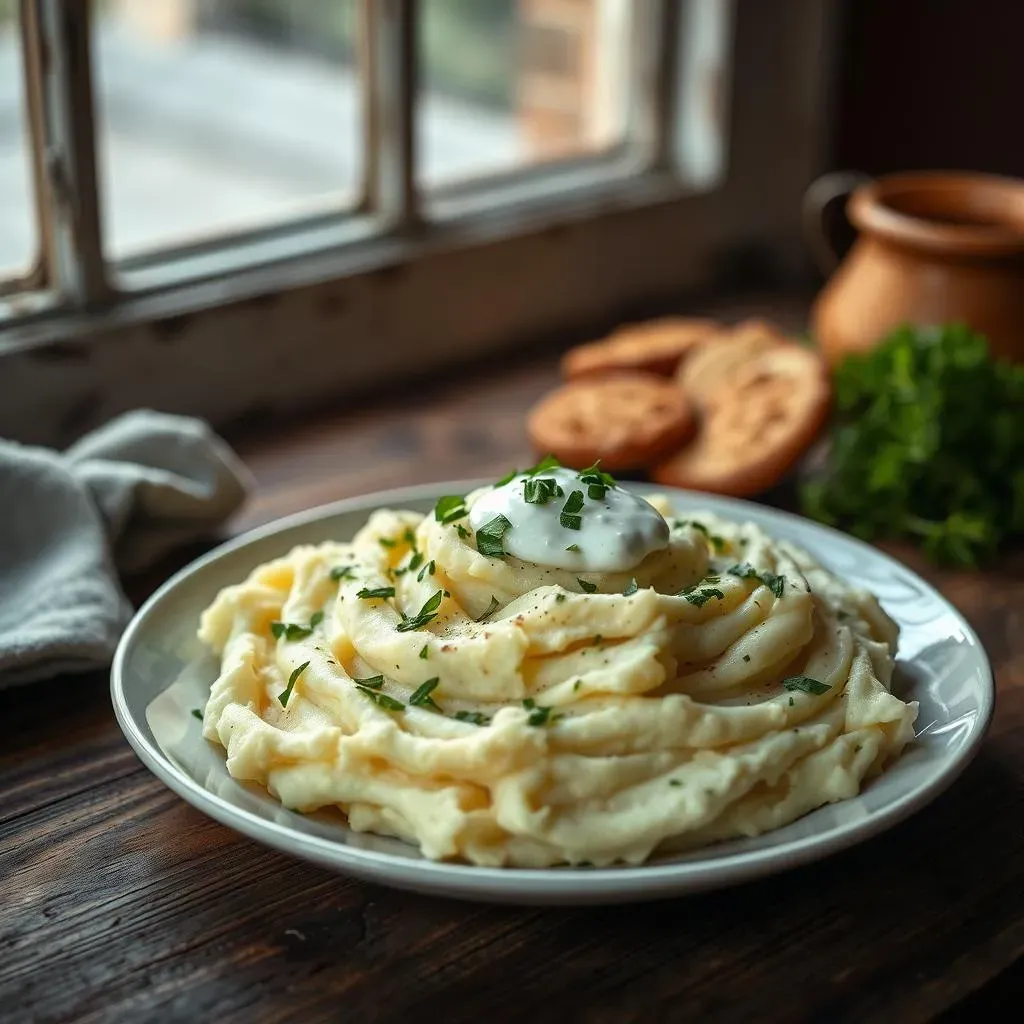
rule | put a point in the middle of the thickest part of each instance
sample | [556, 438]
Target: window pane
[224, 115]
[517, 82]
[18, 238]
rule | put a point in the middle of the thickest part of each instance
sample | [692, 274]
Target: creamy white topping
[616, 531]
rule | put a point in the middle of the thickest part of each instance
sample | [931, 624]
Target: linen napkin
[115, 502]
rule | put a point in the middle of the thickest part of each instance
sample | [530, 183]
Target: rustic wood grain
[121, 902]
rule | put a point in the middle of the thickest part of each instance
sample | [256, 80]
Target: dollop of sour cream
[616, 531]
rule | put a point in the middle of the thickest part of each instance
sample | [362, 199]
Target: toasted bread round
[756, 426]
[713, 365]
[627, 420]
[653, 346]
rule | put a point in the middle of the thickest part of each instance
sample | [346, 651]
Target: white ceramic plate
[161, 672]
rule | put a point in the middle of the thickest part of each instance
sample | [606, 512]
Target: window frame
[446, 260]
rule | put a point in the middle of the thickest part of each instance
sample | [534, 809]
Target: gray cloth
[115, 502]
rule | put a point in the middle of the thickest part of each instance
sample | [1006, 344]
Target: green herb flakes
[700, 597]
[342, 572]
[588, 588]
[548, 462]
[507, 478]
[569, 516]
[491, 609]
[425, 651]
[428, 570]
[574, 548]
[284, 696]
[538, 715]
[290, 631]
[387, 542]
[427, 613]
[449, 508]
[196, 713]
[541, 490]
[473, 717]
[375, 593]
[370, 682]
[317, 618]
[489, 537]
[631, 588]
[421, 698]
[382, 700]
[806, 685]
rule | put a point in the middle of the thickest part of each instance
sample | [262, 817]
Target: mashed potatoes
[504, 712]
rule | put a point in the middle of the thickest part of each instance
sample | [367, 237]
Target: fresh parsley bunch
[929, 444]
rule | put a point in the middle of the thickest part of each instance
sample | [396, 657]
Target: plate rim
[625, 883]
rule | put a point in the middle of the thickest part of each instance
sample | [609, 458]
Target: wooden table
[121, 902]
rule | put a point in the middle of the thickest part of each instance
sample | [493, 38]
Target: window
[329, 195]
[18, 239]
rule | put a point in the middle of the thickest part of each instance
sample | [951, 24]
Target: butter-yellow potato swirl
[502, 713]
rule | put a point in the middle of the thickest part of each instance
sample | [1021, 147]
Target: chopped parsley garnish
[538, 715]
[421, 698]
[461, 530]
[569, 516]
[559, 598]
[508, 478]
[196, 713]
[342, 572]
[573, 547]
[489, 537]
[412, 565]
[371, 593]
[381, 699]
[588, 588]
[491, 609]
[702, 596]
[692, 522]
[548, 462]
[423, 616]
[631, 588]
[806, 685]
[370, 682]
[745, 571]
[597, 476]
[387, 542]
[318, 617]
[292, 680]
[425, 651]
[449, 508]
[427, 570]
[473, 717]
[746, 657]
[541, 490]
[674, 782]
[291, 630]
[718, 543]
[409, 536]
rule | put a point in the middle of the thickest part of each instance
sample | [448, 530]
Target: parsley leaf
[548, 462]
[508, 478]
[538, 715]
[541, 490]
[285, 694]
[370, 682]
[631, 588]
[421, 698]
[425, 651]
[474, 717]
[701, 597]
[387, 542]
[370, 593]
[569, 517]
[291, 630]
[588, 588]
[573, 547]
[423, 616]
[196, 713]
[342, 572]
[806, 685]
[491, 609]
[489, 537]
[318, 617]
[427, 570]
[449, 508]
[381, 699]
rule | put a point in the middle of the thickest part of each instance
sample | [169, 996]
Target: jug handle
[821, 194]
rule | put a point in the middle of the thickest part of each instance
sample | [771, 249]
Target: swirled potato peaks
[554, 670]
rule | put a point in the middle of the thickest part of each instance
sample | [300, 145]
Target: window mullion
[74, 243]
[391, 27]
[657, 63]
